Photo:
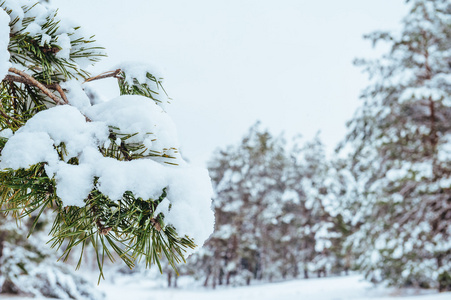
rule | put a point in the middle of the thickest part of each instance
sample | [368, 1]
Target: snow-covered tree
[110, 172]
[313, 184]
[248, 181]
[402, 159]
[272, 208]
[29, 267]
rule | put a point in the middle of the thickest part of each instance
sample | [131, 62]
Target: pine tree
[401, 138]
[315, 213]
[110, 172]
[274, 212]
[248, 181]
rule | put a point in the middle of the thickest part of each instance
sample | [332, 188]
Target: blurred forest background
[381, 205]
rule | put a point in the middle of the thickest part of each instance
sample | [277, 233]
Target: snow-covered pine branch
[110, 171]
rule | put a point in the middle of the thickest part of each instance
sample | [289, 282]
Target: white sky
[229, 63]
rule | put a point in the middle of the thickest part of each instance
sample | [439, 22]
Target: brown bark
[37, 84]
[108, 74]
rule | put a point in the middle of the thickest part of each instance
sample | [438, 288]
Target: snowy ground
[341, 288]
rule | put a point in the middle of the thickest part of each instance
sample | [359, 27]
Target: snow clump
[188, 203]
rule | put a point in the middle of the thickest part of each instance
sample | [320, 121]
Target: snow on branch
[111, 171]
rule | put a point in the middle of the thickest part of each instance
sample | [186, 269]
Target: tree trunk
[169, 279]
[207, 278]
[221, 277]
[2, 238]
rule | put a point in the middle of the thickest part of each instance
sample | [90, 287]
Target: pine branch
[130, 226]
[108, 74]
[61, 92]
[55, 86]
[37, 84]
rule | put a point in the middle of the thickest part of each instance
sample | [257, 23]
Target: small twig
[27, 79]
[61, 92]
[102, 230]
[105, 75]
[36, 83]
[17, 79]
[4, 114]
[14, 78]
[124, 151]
[155, 224]
[105, 231]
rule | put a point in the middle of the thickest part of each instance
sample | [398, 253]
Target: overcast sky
[229, 63]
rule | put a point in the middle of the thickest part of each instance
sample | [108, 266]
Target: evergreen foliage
[401, 138]
[47, 70]
[314, 184]
[273, 220]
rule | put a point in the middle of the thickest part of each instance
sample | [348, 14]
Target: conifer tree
[273, 210]
[314, 212]
[402, 137]
[109, 172]
[248, 180]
